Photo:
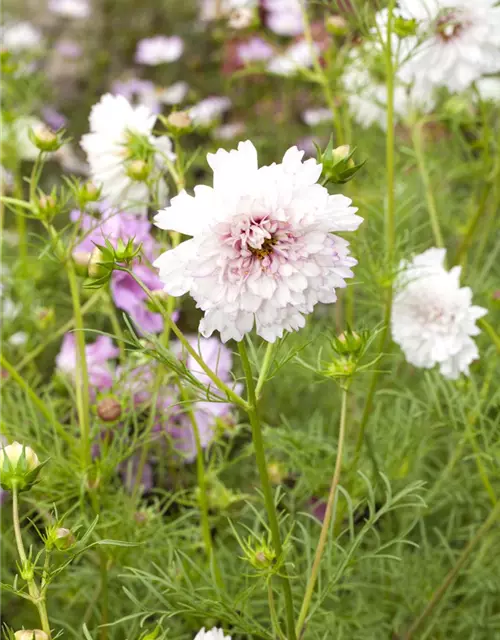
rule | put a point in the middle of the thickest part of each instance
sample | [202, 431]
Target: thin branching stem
[451, 576]
[260, 456]
[325, 529]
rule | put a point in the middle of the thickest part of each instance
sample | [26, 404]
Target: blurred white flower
[217, 9]
[299, 55]
[115, 128]
[209, 110]
[254, 50]
[284, 17]
[241, 18]
[213, 634]
[229, 130]
[262, 249]
[313, 117]
[16, 135]
[21, 36]
[159, 49]
[488, 88]
[70, 8]
[433, 319]
[175, 94]
[70, 162]
[461, 41]
[18, 339]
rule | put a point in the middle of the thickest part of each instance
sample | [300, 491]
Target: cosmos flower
[299, 55]
[121, 134]
[284, 17]
[460, 41]
[313, 117]
[21, 36]
[70, 8]
[216, 9]
[254, 50]
[209, 110]
[97, 356]
[159, 49]
[433, 318]
[488, 88]
[213, 634]
[262, 250]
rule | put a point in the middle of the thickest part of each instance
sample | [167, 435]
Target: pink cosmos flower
[98, 354]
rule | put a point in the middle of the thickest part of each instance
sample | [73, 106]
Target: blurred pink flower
[254, 50]
[97, 356]
[53, 118]
[159, 49]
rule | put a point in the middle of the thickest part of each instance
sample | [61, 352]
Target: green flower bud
[81, 261]
[337, 25]
[179, 122]
[403, 28]
[45, 139]
[338, 165]
[276, 472]
[47, 205]
[138, 170]
[19, 466]
[95, 267]
[63, 539]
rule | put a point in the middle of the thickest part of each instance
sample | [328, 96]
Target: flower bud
[403, 27]
[276, 472]
[263, 557]
[95, 267]
[109, 409]
[349, 342]
[45, 317]
[47, 205]
[63, 538]
[91, 192]
[138, 170]
[81, 261]
[19, 466]
[31, 634]
[179, 121]
[45, 139]
[336, 25]
[338, 165]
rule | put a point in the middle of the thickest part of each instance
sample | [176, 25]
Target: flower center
[449, 26]
[265, 249]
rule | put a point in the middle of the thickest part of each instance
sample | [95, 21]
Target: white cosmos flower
[284, 17]
[213, 634]
[70, 8]
[461, 41]
[21, 36]
[114, 124]
[433, 318]
[159, 49]
[216, 9]
[262, 249]
[209, 110]
[299, 55]
[314, 116]
[488, 88]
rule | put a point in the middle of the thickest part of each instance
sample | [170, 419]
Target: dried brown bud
[109, 409]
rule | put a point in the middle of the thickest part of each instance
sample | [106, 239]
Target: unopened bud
[47, 205]
[14, 452]
[31, 634]
[276, 472]
[63, 538]
[92, 192]
[336, 25]
[138, 170]
[179, 120]
[109, 409]
[19, 466]
[81, 261]
[95, 268]
[340, 153]
[44, 139]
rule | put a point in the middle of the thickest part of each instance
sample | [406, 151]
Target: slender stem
[479, 463]
[272, 610]
[450, 578]
[324, 81]
[202, 485]
[82, 380]
[389, 229]
[57, 334]
[234, 397]
[495, 338]
[37, 597]
[21, 223]
[429, 196]
[264, 369]
[471, 229]
[149, 429]
[115, 324]
[104, 595]
[327, 519]
[39, 404]
[260, 456]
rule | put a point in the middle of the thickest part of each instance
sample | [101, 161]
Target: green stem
[104, 598]
[82, 380]
[202, 486]
[471, 229]
[389, 230]
[147, 434]
[39, 404]
[327, 519]
[231, 395]
[495, 338]
[115, 324]
[21, 223]
[479, 463]
[264, 369]
[272, 610]
[260, 456]
[451, 576]
[61, 331]
[37, 598]
[429, 196]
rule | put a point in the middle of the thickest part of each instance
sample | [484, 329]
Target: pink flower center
[449, 25]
